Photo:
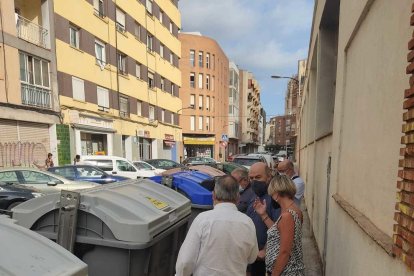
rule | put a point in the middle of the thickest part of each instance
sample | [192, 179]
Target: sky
[265, 37]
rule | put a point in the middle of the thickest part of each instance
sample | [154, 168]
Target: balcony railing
[36, 96]
[31, 32]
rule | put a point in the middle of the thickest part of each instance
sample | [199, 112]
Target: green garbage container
[134, 227]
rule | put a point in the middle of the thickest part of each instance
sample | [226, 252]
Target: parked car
[228, 167]
[45, 182]
[116, 165]
[142, 165]
[267, 157]
[190, 161]
[231, 157]
[247, 160]
[86, 173]
[164, 164]
[12, 195]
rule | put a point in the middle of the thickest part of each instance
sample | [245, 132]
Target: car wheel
[14, 204]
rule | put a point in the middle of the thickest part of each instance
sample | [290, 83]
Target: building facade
[118, 77]
[29, 106]
[250, 112]
[351, 139]
[204, 93]
[233, 129]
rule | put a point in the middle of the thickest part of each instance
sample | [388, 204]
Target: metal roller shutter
[8, 131]
[38, 136]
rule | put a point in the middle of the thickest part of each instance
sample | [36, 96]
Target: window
[208, 82]
[171, 58]
[192, 80]
[9, 177]
[148, 6]
[200, 81]
[137, 30]
[163, 115]
[172, 89]
[200, 59]
[121, 63]
[171, 27]
[32, 177]
[100, 53]
[208, 60]
[161, 16]
[230, 109]
[207, 123]
[151, 113]
[172, 118]
[200, 123]
[192, 100]
[74, 36]
[212, 83]
[103, 97]
[34, 71]
[200, 102]
[124, 166]
[212, 124]
[213, 62]
[120, 20]
[212, 104]
[207, 102]
[192, 123]
[78, 89]
[139, 108]
[98, 6]
[150, 44]
[151, 83]
[162, 83]
[123, 106]
[162, 50]
[192, 58]
[138, 70]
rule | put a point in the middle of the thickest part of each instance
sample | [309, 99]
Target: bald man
[286, 167]
[260, 176]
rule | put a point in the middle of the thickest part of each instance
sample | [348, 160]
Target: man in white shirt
[221, 241]
[286, 168]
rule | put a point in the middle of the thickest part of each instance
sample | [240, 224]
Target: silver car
[45, 182]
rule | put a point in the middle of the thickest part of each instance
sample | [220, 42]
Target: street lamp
[281, 77]
[188, 107]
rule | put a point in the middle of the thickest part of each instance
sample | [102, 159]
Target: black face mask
[259, 188]
[275, 204]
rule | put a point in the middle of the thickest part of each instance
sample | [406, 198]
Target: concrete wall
[355, 116]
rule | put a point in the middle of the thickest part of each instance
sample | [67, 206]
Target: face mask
[275, 204]
[259, 188]
[240, 189]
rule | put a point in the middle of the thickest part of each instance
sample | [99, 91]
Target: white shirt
[221, 242]
[300, 188]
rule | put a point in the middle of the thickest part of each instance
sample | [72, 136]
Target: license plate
[158, 204]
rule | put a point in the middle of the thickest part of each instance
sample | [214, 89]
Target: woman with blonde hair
[284, 238]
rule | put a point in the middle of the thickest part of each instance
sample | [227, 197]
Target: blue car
[86, 173]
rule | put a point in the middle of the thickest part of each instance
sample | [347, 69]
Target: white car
[117, 166]
[45, 182]
[152, 171]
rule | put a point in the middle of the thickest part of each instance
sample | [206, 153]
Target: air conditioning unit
[140, 133]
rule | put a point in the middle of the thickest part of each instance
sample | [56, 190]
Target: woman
[284, 237]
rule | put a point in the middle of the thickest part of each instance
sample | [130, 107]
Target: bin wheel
[14, 204]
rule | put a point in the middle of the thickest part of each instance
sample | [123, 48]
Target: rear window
[67, 172]
[105, 165]
[246, 161]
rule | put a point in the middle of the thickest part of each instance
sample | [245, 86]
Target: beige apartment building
[204, 94]
[351, 135]
[250, 112]
[29, 106]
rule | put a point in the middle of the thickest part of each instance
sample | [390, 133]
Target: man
[246, 192]
[286, 167]
[49, 161]
[260, 176]
[221, 241]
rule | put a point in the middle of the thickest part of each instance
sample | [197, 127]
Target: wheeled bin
[134, 227]
[24, 252]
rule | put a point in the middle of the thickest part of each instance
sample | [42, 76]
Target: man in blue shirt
[260, 176]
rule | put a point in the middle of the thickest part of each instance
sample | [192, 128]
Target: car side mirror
[51, 183]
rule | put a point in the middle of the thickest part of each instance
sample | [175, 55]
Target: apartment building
[233, 129]
[204, 93]
[250, 112]
[29, 106]
[118, 77]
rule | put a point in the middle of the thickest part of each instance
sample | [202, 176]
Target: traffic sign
[224, 137]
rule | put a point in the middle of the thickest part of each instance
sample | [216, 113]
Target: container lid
[24, 252]
[134, 210]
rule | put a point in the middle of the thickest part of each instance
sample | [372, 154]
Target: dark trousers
[258, 268]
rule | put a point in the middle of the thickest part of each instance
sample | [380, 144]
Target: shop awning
[169, 143]
[199, 141]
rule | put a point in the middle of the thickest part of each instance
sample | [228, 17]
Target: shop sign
[169, 137]
[96, 122]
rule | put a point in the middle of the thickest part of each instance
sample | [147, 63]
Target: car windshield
[86, 171]
[143, 166]
[246, 161]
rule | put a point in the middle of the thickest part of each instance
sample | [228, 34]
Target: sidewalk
[313, 264]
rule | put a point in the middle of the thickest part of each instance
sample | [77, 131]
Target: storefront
[144, 143]
[198, 146]
[169, 147]
[93, 135]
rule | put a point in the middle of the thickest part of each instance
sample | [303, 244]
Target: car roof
[249, 157]
[84, 157]
[32, 169]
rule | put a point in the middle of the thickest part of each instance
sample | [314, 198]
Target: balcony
[31, 32]
[36, 96]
